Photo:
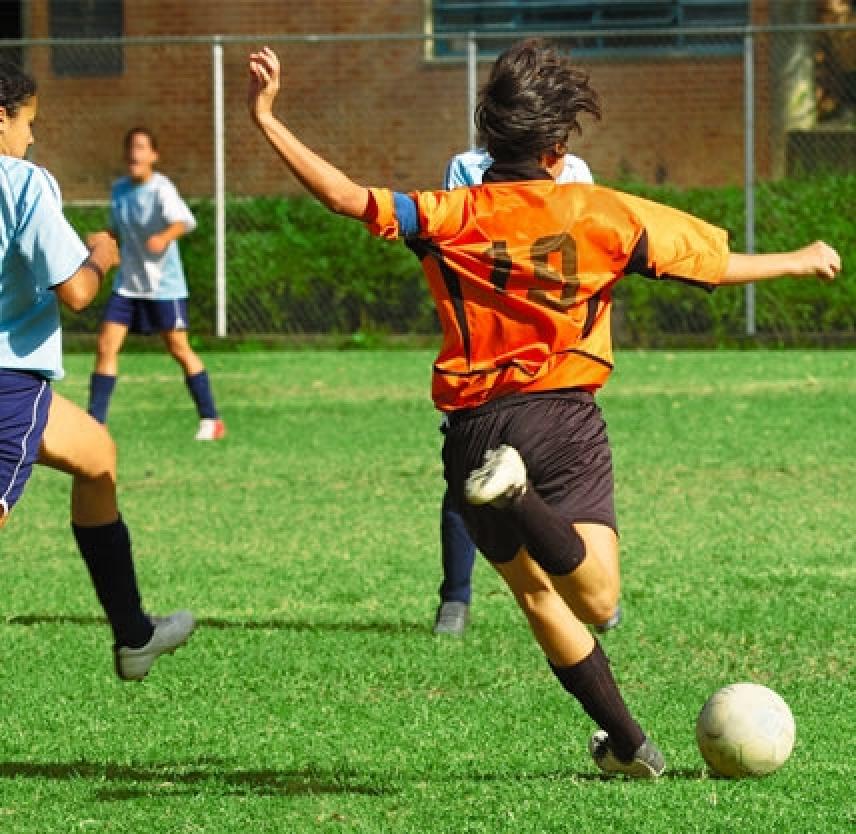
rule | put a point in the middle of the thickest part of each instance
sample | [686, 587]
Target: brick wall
[379, 110]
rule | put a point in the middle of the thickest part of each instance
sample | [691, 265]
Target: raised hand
[264, 83]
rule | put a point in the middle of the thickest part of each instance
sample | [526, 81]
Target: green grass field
[314, 698]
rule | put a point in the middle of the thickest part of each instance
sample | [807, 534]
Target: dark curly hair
[531, 101]
[16, 87]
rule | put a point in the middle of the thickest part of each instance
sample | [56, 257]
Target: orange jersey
[522, 273]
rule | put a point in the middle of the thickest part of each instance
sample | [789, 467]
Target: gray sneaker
[647, 763]
[611, 623]
[170, 633]
[452, 618]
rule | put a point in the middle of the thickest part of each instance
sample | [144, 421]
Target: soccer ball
[745, 730]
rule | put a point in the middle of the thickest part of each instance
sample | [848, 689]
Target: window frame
[89, 19]
[738, 12]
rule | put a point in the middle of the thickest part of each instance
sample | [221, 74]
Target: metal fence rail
[737, 106]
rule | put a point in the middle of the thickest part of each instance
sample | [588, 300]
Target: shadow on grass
[224, 623]
[204, 776]
[679, 774]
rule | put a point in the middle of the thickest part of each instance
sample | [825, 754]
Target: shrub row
[293, 268]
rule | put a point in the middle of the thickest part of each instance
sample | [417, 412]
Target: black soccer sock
[550, 539]
[590, 681]
[107, 552]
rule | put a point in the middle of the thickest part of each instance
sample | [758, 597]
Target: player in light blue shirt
[457, 548]
[150, 291]
[42, 263]
[468, 169]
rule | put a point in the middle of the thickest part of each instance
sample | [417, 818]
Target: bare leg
[79, 445]
[592, 590]
[179, 348]
[76, 443]
[111, 337]
[577, 661]
[560, 633]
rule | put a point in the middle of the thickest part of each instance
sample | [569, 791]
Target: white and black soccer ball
[745, 729]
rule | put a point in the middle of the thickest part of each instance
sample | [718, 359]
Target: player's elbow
[348, 201]
[76, 300]
[338, 204]
[75, 294]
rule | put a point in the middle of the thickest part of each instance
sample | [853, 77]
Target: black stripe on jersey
[511, 363]
[419, 247]
[456, 294]
[592, 306]
[591, 356]
[690, 282]
[638, 265]
[425, 249]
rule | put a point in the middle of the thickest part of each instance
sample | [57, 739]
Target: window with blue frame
[645, 19]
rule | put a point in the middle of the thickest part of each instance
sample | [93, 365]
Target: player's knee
[598, 607]
[100, 466]
[104, 347]
[535, 601]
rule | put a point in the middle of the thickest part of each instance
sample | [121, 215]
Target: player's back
[522, 274]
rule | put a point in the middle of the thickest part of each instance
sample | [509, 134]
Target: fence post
[749, 165]
[219, 187]
[472, 85]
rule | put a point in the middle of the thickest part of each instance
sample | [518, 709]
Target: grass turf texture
[313, 697]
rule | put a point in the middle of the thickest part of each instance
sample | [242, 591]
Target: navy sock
[100, 390]
[200, 389]
[590, 681]
[550, 539]
[107, 552]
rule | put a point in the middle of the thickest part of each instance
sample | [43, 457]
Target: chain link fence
[753, 128]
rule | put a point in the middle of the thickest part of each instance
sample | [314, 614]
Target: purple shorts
[140, 315]
[25, 400]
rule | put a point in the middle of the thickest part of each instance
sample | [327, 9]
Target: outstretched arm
[815, 261]
[327, 183]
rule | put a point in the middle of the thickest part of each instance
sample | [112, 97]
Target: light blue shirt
[468, 168]
[138, 211]
[38, 251]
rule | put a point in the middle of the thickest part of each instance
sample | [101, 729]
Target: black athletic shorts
[561, 436]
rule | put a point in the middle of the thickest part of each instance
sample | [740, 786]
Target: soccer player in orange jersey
[521, 270]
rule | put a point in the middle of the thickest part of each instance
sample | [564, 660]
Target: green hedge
[295, 268]
[789, 213]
